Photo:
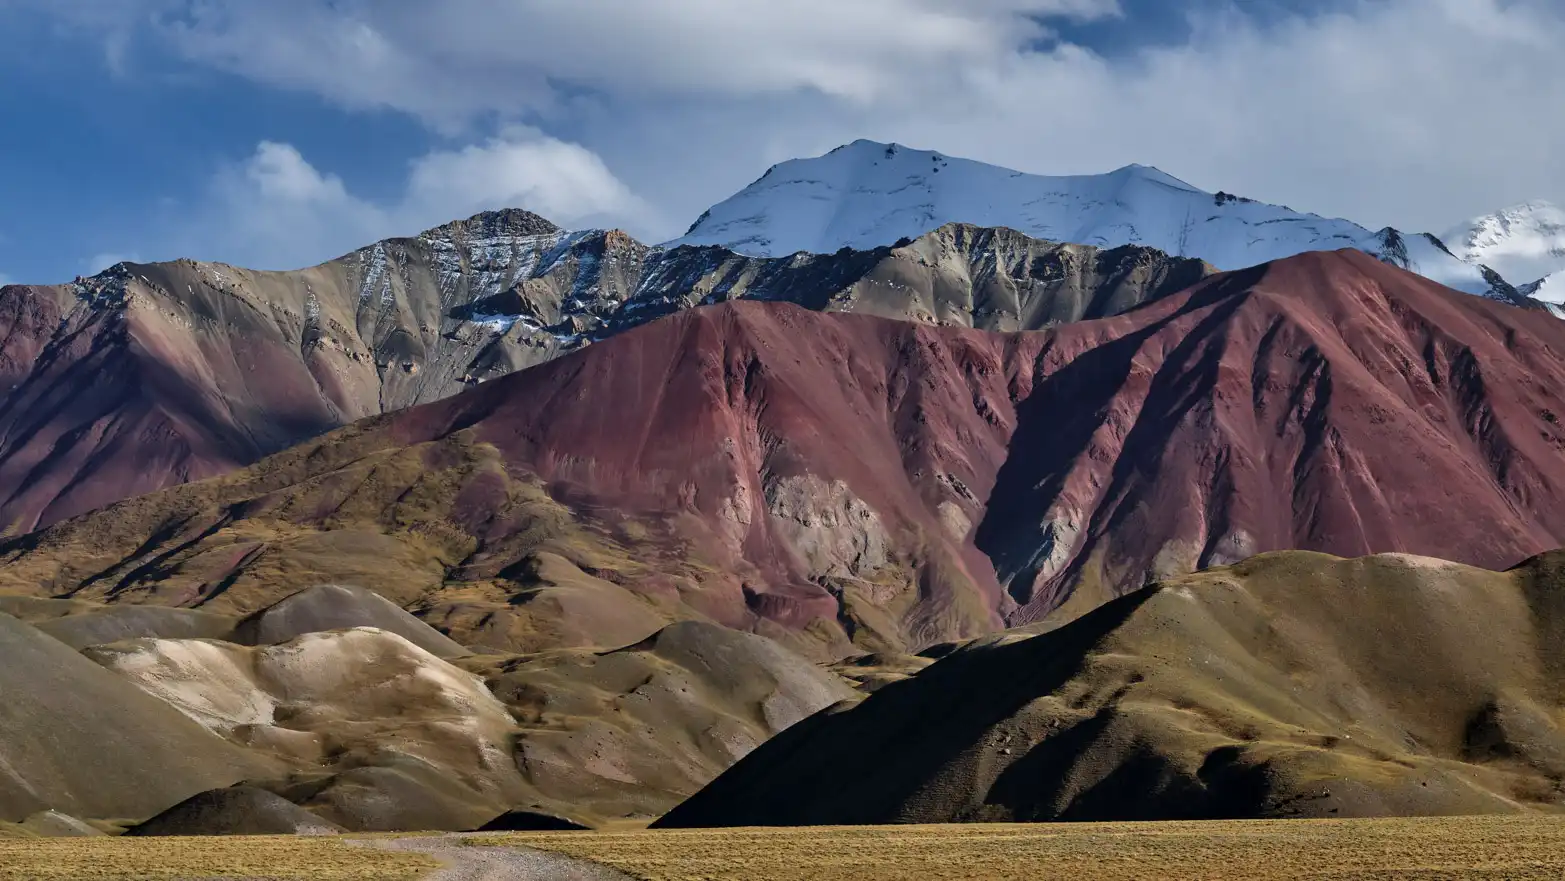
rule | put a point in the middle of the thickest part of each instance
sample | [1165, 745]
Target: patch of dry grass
[1493, 847]
[275, 858]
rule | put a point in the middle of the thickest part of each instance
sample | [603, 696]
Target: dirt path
[464, 862]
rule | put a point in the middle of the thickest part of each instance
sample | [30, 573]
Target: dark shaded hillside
[1293, 684]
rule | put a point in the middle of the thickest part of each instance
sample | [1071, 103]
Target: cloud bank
[1408, 112]
[458, 58]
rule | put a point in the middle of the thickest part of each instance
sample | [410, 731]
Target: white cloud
[1411, 112]
[450, 60]
[1415, 113]
[275, 209]
[563, 182]
[277, 172]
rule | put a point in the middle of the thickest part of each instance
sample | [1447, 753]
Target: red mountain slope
[1326, 402]
[104, 403]
[770, 467]
[817, 463]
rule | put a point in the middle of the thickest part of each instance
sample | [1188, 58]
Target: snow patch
[373, 278]
[494, 263]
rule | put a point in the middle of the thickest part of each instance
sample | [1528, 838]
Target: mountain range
[514, 526]
[841, 480]
[199, 368]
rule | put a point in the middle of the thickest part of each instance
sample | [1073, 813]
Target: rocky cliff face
[146, 376]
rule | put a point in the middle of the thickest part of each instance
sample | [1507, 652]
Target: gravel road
[463, 862]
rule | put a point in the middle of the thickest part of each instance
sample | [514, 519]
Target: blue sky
[95, 161]
[284, 132]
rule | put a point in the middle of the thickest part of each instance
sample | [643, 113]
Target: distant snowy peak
[1550, 289]
[867, 194]
[1525, 241]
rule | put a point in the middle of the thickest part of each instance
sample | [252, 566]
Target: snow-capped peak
[1522, 242]
[1549, 290]
[868, 194]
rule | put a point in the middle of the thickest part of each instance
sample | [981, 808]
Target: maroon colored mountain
[779, 469]
[1325, 402]
[102, 402]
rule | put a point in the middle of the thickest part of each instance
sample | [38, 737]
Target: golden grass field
[179, 859]
[1521, 847]
[1491, 848]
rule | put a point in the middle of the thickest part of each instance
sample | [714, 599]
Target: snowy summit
[867, 194]
[1525, 243]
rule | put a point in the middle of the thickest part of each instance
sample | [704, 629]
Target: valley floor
[1496, 847]
[233, 858]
